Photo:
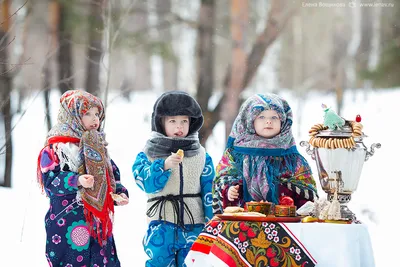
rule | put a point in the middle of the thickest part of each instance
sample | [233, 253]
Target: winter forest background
[345, 53]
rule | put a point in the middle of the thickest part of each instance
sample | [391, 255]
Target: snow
[23, 207]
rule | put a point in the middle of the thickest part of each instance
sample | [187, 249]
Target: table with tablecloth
[249, 243]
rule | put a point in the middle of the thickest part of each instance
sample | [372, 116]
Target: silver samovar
[339, 166]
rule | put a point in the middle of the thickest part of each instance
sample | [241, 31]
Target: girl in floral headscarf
[80, 179]
[261, 161]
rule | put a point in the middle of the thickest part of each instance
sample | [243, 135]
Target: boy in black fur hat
[178, 187]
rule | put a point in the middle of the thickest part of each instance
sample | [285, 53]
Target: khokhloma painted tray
[257, 218]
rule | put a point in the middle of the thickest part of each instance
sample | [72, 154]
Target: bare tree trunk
[47, 106]
[376, 39]
[279, 14]
[53, 13]
[205, 63]
[239, 18]
[65, 49]
[5, 86]
[169, 61]
[46, 87]
[340, 58]
[5, 90]
[298, 65]
[95, 49]
[364, 50]
[339, 87]
[22, 92]
[142, 75]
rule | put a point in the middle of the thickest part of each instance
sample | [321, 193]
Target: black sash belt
[175, 200]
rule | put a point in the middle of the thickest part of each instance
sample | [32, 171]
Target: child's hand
[172, 161]
[86, 180]
[123, 202]
[233, 192]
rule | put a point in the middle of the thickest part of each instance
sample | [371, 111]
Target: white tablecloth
[331, 245]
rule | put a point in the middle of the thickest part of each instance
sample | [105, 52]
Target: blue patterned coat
[166, 242]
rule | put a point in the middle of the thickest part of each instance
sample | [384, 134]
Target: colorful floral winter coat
[68, 241]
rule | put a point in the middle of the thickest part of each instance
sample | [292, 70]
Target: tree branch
[276, 21]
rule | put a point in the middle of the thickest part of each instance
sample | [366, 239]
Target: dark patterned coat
[68, 242]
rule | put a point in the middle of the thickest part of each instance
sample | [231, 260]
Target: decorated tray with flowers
[249, 217]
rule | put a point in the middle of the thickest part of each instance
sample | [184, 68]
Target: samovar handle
[310, 151]
[372, 151]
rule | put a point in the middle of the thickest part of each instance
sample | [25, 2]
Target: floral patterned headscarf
[243, 129]
[98, 204]
[73, 105]
[263, 163]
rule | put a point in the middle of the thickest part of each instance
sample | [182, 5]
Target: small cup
[261, 207]
[285, 211]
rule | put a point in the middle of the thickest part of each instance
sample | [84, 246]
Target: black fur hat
[176, 103]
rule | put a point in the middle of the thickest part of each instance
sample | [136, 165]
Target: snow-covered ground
[23, 207]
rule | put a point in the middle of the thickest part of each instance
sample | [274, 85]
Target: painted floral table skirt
[242, 243]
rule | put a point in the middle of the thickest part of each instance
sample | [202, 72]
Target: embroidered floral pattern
[61, 222]
[56, 239]
[78, 235]
[56, 182]
[253, 243]
[69, 182]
